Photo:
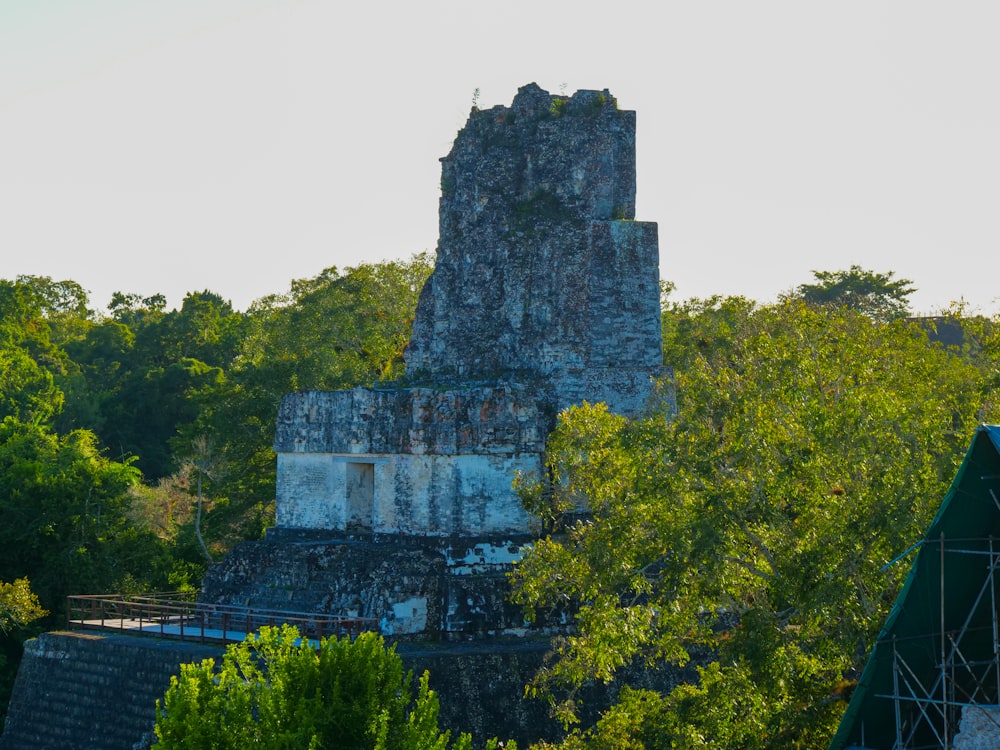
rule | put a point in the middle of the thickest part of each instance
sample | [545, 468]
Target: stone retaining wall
[77, 691]
[93, 691]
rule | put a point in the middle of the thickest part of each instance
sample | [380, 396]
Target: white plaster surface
[431, 495]
[482, 556]
[443, 495]
[408, 616]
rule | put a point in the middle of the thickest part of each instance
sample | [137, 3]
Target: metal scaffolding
[936, 661]
[928, 702]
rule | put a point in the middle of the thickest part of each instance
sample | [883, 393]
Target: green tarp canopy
[937, 651]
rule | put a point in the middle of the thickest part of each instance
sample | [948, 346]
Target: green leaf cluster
[65, 506]
[279, 690]
[18, 605]
[810, 447]
[117, 429]
[877, 295]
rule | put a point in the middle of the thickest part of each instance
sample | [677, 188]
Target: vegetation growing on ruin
[278, 690]
[813, 439]
[110, 423]
[811, 446]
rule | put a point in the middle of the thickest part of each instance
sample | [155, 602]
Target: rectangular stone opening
[360, 492]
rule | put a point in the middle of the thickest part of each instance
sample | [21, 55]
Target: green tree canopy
[18, 605]
[29, 360]
[133, 309]
[65, 512]
[142, 372]
[877, 295]
[339, 329]
[278, 690]
[27, 392]
[810, 447]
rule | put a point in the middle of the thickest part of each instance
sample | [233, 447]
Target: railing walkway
[178, 615]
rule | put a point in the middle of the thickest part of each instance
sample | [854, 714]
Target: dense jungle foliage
[810, 444]
[110, 423]
[337, 693]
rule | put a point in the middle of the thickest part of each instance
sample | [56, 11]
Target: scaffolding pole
[962, 681]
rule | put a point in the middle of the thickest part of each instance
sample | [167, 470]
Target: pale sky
[234, 145]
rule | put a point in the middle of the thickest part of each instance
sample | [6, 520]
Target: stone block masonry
[545, 294]
[78, 691]
[409, 461]
[541, 270]
[425, 589]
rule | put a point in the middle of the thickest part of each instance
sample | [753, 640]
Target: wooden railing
[178, 615]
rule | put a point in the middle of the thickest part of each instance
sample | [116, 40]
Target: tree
[18, 605]
[877, 295]
[133, 310]
[66, 524]
[278, 690]
[27, 391]
[47, 313]
[339, 329]
[206, 328]
[809, 448]
[101, 358]
[203, 466]
[29, 359]
[148, 369]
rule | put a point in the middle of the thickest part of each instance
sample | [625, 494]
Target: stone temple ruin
[394, 503]
[545, 293]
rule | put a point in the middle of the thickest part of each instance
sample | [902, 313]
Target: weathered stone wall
[448, 589]
[540, 269]
[428, 495]
[83, 690]
[408, 461]
[979, 728]
[495, 418]
[78, 690]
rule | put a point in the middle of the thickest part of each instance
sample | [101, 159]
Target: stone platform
[425, 589]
